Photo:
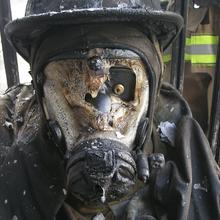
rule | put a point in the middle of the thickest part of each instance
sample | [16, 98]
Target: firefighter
[201, 52]
[202, 33]
[98, 137]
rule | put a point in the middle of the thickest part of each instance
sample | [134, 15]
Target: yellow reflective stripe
[167, 58]
[204, 39]
[200, 41]
[200, 59]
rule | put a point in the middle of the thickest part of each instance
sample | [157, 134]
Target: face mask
[98, 98]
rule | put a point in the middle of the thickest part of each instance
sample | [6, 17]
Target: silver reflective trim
[201, 49]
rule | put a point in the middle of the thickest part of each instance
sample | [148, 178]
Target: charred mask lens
[98, 98]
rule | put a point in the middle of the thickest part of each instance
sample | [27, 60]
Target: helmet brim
[22, 32]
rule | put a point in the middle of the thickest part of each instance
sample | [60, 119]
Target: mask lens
[122, 82]
[101, 93]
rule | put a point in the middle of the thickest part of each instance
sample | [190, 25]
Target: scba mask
[98, 98]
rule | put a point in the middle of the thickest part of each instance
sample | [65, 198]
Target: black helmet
[41, 15]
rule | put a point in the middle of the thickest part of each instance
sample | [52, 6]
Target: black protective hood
[43, 15]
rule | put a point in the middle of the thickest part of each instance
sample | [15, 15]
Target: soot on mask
[100, 170]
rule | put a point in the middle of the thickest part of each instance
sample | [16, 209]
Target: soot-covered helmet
[42, 15]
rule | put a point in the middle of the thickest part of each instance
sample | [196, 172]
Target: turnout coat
[32, 171]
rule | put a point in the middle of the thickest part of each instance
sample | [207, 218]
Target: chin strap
[57, 136]
[142, 133]
[144, 130]
[55, 131]
[141, 158]
[142, 166]
[147, 164]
